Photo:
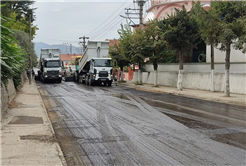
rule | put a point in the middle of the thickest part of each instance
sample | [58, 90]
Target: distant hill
[63, 48]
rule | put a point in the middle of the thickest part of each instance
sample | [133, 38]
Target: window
[103, 63]
[50, 64]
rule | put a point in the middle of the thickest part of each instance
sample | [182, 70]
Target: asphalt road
[117, 125]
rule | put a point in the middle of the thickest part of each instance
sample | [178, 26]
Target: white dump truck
[95, 66]
[50, 65]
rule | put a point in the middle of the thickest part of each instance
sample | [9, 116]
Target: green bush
[138, 83]
[12, 59]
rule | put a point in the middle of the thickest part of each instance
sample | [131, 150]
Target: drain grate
[29, 106]
[43, 138]
[26, 120]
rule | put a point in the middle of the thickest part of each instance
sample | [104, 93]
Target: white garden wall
[219, 56]
[197, 76]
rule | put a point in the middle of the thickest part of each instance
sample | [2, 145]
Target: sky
[64, 21]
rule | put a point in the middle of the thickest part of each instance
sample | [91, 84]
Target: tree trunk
[121, 73]
[227, 67]
[155, 77]
[212, 69]
[180, 75]
[155, 73]
[139, 77]
[139, 74]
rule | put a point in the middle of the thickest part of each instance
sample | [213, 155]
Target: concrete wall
[199, 67]
[8, 92]
[4, 98]
[10, 88]
[197, 76]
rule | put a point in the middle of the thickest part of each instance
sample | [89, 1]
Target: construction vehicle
[95, 66]
[50, 65]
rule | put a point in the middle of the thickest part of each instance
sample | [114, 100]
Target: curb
[185, 95]
[60, 153]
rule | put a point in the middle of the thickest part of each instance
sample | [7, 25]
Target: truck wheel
[77, 78]
[110, 83]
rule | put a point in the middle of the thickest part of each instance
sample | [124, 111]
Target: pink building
[161, 8]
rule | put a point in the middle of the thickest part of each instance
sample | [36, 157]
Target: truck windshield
[51, 64]
[103, 63]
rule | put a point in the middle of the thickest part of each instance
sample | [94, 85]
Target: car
[68, 74]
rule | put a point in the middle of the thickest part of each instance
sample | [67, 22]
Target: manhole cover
[26, 120]
[45, 138]
[29, 106]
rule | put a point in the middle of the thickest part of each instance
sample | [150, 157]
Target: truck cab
[100, 71]
[50, 65]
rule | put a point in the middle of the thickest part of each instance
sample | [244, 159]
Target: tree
[118, 57]
[209, 30]
[154, 46]
[125, 48]
[181, 32]
[232, 16]
[12, 60]
[20, 12]
[24, 42]
[138, 51]
[21, 7]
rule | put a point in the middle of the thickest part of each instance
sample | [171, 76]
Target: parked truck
[50, 65]
[95, 66]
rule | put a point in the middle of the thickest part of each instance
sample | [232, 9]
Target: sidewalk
[27, 136]
[238, 99]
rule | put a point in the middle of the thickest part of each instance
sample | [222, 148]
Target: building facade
[68, 59]
[160, 9]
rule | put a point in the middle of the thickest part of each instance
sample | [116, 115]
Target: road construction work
[122, 126]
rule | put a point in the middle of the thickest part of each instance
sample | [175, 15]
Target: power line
[108, 30]
[102, 29]
[106, 19]
[106, 26]
[58, 40]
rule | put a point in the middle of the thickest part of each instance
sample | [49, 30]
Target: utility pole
[128, 15]
[30, 56]
[83, 42]
[140, 4]
[65, 50]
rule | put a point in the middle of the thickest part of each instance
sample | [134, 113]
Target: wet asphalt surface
[117, 125]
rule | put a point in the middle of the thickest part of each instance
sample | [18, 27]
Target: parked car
[68, 74]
